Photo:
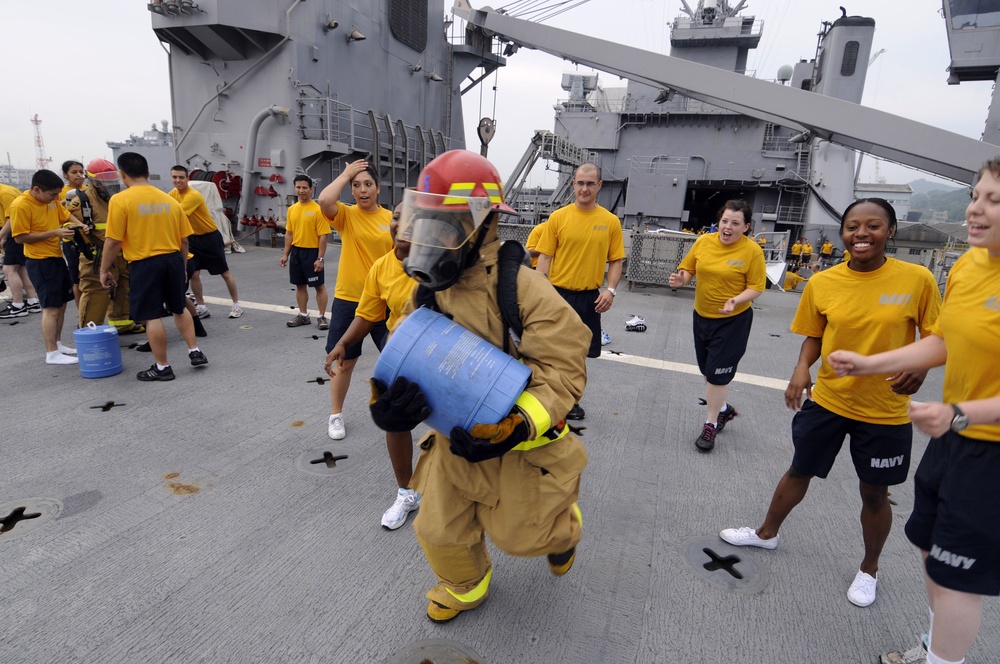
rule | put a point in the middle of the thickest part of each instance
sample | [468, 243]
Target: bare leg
[956, 621]
[321, 299]
[157, 337]
[60, 319]
[185, 325]
[790, 491]
[196, 289]
[715, 397]
[400, 446]
[339, 385]
[302, 298]
[876, 521]
[14, 283]
[22, 271]
[50, 327]
[227, 276]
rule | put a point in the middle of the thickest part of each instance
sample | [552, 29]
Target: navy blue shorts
[156, 282]
[719, 345]
[208, 253]
[13, 252]
[341, 315]
[72, 256]
[300, 267]
[584, 304]
[50, 277]
[881, 452]
[956, 510]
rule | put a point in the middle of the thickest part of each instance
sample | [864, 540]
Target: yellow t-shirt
[796, 249]
[7, 196]
[792, 281]
[194, 206]
[971, 333]
[306, 222]
[826, 249]
[533, 237]
[387, 286]
[807, 249]
[580, 243]
[762, 241]
[364, 238]
[868, 312]
[723, 272]
[29, 216]
[147, 222]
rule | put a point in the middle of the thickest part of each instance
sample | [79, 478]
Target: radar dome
[785, 73]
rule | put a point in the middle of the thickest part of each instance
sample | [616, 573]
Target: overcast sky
[97, 73]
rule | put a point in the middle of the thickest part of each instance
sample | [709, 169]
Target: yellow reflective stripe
[533, 408]
[578, 513]
[458, 192]
[121, 323]
[101, 227]
[493, 191]
[541, 440]
[476, 593]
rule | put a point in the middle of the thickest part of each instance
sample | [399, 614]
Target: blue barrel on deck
[466, 379]
[98, 351]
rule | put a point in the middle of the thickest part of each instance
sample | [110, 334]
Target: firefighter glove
[398, 407]
[489, 441]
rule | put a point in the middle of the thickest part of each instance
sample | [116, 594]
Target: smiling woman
[730, 271]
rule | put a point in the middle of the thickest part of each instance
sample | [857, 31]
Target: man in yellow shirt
[152, 230]
[14, 271]
[205, 244]
[37, 221]
[578, 240]
[306, 232]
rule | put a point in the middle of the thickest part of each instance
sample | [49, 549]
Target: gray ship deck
[194, 528]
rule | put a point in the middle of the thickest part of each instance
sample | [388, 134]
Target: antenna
[41, 161]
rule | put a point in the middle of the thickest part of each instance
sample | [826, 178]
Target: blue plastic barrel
[98, 351]
[466, 379]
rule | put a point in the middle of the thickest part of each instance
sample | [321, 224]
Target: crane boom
[875, 132]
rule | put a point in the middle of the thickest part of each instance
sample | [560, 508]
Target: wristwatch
[321, 259]
[613, 291]
[961, 421]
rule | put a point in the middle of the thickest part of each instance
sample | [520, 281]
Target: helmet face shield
[439, 229]
[103, 177]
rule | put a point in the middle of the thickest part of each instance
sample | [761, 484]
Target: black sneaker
[10, 311]
[35, 308]
[144, 347]
[152, 373]
[197, 358]
[706, 441]
[576, 413]
[727, 414]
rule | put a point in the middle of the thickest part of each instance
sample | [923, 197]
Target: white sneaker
[202, 311]
[862, 590]
[236, 311]
[55, 357]
[605, 338]
[65, 350]
[915, 655]
[336, 429]
[406, 501]
[748, 537]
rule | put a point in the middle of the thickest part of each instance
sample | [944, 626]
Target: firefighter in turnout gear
[517, 480]
[91, 207]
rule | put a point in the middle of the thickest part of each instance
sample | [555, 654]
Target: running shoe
[605, 338]
[635, 324]
[862, 590]
[152, 373]
[748, 537]
[727, 414]
[407, 501]
[236, 311]
[33, 308]
[202, 311]
[299, 321]
[336, 429]
[915, 655]
[323, 323]
[10, 311]
[706, 441]
[197, 358]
